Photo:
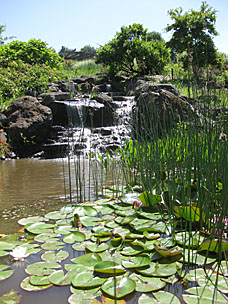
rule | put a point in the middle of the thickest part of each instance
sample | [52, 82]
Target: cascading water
[96, 127]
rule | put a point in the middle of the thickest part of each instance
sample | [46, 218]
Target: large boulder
[158, 109]
[28, 124]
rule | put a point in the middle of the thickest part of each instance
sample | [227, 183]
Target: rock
[28, 124]
[68, 87]
[48, 98]
[103, 98]
[3, 119]
[158, 111]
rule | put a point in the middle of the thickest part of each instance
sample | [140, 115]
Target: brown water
[31, 187]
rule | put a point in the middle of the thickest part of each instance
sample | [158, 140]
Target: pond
[31, 187]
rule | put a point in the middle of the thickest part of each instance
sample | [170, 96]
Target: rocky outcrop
[158, 109]
[28, 124]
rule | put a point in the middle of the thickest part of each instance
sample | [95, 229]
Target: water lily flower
[19, 253]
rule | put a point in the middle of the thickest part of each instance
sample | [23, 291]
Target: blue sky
[76, 23]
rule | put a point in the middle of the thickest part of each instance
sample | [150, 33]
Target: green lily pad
[59, 278]
[219, 281]
[118, 287]
[151, 236]
[4, 273]
[74, 237]
[203, 295]
[214, 245]
[137, 262]
[83, 210]
[79, 246]
[97, 248]
[47, 237]
[87, 280]
[12, 297]
[101, 232]
[3, 253]
[82, 298]
[77, 268]
[132, 250]
[189, 213]
[165, 252]
[194, 258]
[39, 280]
[88, 221]
[188, 240]
[63, 229]
[116, 243]
[39, 227]
[31, 220]
[51, 256]
[6, 246]
[26, 285]
[109, 267]
[149, 199]
[161, 297]
[159, 270]
[147, 284]
[89, 259]
[42, 268]
[56, 215]
[52, 245]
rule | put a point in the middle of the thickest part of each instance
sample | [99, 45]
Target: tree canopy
[129, 53]
[193, 33]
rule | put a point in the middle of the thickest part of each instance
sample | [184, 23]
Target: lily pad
[42, 268]
[97, 248]
[39, 280]
[165, 252]
[194, 258]
[132, 250]
[203, 295]
[87, 280]
[118, 287]
[188, 240]
[12, 297]
[26, 285]
[56, 215]
[59, 278]
[74, 237]
[51, 256]
[31, 220]
[109, 267]
[159, 270]
[137, 262]
[147, 284]
[4, 273]
[161, 297]
[6, 246]
[39, 227]
[214, 245]
[89, 259]
[76, 268]
[52, 245]
[85, 210]
[47, 237]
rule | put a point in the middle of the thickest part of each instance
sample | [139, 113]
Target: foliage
[154, 36]
[130, 53]
[19, 78]
[31, 52]
[87, 67]
[193, 34]
[88, 49]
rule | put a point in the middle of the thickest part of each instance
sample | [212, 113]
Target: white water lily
[19, 253]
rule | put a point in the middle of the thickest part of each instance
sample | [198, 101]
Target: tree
[193, 34]
[154, 36]
[129, 53]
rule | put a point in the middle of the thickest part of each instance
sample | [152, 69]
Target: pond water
[31, 187]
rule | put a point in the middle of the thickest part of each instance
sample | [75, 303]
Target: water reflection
[34, 187]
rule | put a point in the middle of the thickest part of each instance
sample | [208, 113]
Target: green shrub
[31, 52]
[18, 78]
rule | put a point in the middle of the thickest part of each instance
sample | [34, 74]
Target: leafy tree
[88, 49]
[154, 36]
[193, 34]
[31, 52]
[129, 53]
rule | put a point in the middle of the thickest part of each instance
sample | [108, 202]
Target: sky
[76, 23]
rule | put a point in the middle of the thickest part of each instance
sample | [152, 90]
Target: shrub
[31, 52]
